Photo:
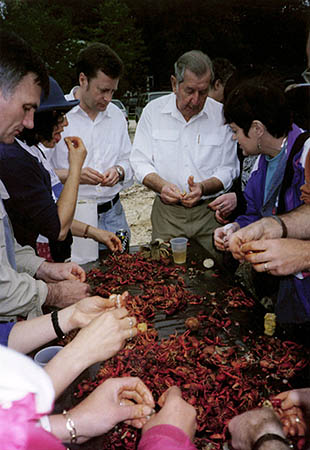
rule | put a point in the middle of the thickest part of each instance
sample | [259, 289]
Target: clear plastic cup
[179, 248]
[46, 354]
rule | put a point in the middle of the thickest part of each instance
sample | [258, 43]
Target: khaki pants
[198, 223]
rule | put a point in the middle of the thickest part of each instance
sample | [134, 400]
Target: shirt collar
[77, 108]
[171, 108]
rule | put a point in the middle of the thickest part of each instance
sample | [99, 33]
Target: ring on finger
[130, 322]
[297, 419]
[266, 267]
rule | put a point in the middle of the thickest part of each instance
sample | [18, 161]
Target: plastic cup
[46, 354]
[179, 248]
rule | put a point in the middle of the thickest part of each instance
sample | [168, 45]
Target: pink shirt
[166, 437]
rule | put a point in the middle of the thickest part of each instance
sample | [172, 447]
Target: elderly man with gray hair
[184, 152]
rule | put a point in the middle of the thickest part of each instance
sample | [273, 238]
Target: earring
[259, 146]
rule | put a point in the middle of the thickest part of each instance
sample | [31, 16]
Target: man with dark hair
[103, 129]
[184, 152]
[22, 77]
[223, 70]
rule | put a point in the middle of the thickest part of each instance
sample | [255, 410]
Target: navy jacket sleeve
[5, 330]
[31, 205]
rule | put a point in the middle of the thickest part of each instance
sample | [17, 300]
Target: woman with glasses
[37, 203]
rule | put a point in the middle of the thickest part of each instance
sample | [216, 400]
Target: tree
[50, 32]
[116, 27]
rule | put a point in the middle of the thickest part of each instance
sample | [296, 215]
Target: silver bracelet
[70, 427]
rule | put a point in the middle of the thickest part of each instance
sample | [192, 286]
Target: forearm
[62, 174]
[65, 367]
[211, 186]
[67, 201]
[155, 182]
[58, 427]
[39, 331]
[297, 222]
[79, 229]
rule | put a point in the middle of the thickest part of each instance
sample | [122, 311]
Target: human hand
[224, 204]
[107, 237]
[170, 194]
[65, 293]
[76, 150]
[105, 335]
[105, 407]
[54, 272]
[246, 428]
[195, 193]
[219, 218]
[294, 411]
[221, 236]
[278, 256]
[265, 228]
[110, 177]
[305, 193]
[90, 176]
[174, 411]
[80, 314]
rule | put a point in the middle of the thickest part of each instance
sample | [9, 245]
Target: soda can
[123, 235]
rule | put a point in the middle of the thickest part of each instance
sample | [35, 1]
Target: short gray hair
[196, 61]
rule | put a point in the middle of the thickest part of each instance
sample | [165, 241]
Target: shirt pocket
[210, 148]
[165, 145]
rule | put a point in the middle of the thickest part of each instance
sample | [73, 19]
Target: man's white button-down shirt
[107, 143]
[175, 149]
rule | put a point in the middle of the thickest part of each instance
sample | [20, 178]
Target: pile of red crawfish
[221, 370]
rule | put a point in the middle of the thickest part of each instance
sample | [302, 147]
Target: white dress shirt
[107, 143]
[175, 149]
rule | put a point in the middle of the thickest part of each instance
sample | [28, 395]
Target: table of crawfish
[220, 357]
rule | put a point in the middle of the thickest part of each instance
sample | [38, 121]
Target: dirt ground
[137, 202]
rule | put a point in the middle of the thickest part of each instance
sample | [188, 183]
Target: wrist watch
[120, 173]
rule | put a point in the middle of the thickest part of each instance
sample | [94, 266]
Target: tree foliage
[150, 35]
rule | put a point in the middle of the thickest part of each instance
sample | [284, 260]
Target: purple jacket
[167, 437]
[293, 302]
[255, 188]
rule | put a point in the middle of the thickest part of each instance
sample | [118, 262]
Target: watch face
[120, 173]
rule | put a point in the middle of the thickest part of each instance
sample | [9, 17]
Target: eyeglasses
[306, 75]
[60, 116]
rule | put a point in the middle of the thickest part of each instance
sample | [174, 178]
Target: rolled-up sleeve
[20, 293]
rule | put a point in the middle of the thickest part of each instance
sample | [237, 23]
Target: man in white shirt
[103, 129]
[184, 152]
